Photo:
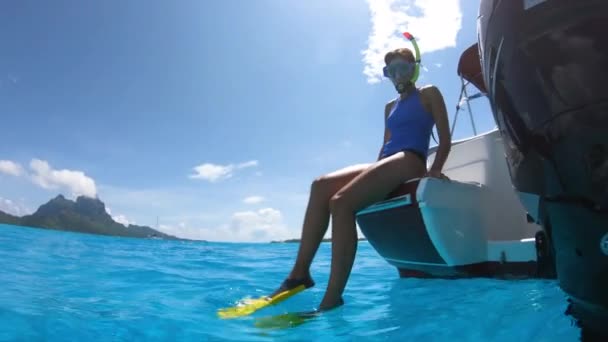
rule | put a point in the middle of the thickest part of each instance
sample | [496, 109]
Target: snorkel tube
[401, 86]
[411, 38]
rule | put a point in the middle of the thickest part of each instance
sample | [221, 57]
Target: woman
[408, 127]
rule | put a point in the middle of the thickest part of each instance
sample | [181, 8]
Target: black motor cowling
[545, 67]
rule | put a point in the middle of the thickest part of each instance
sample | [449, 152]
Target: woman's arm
[387, 134]
[440, 115]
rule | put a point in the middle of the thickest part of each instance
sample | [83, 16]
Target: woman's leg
[316, 218]
[369, 186]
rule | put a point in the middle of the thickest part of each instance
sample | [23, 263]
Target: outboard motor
[545, 66]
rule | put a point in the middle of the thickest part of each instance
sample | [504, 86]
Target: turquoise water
[59, 286]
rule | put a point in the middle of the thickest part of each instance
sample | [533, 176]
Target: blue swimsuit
[410, 126]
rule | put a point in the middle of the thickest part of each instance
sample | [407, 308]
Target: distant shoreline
[20, 226]
[299, 240]
[83, 215]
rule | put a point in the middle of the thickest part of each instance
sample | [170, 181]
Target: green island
[88, 215]
[84, 215]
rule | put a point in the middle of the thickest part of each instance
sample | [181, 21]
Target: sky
[211, 118]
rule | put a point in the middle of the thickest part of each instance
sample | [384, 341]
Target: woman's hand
[436, 174]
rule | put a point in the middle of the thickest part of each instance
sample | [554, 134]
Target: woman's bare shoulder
[391, 103]
[429, 90]
[429, 94]
[388, 106]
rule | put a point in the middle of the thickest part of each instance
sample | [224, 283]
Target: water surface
[60, 286]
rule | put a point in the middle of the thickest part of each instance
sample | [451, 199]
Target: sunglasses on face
[396, 68]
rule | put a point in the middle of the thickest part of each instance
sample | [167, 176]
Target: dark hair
[404, 53]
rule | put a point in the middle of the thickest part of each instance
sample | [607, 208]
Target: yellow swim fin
[249, 306]
[288, 320]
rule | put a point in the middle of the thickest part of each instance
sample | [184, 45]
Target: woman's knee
[320, 185]
[340, 203]
[327, 185]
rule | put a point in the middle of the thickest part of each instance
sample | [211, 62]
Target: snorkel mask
[399, 71]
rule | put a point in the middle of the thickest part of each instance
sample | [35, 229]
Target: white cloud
[434, 23]
[250, 163]
[120, 218]
[10, 168]
[253, 199]
[74, 181]
[258, 226]
[214, 172]
[263, 225]
[185, 231]
[48, 178]
[13, 208]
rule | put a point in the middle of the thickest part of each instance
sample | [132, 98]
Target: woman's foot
[291, 283]
[330, 306]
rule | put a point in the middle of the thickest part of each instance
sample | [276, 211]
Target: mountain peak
[59, 198]
[86, 215]
[92, 207]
